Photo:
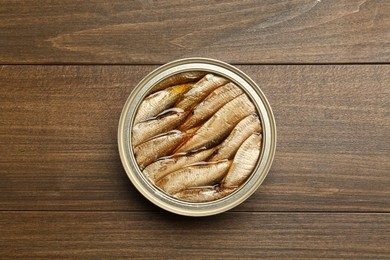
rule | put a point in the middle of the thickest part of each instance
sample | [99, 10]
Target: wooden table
[68, 67]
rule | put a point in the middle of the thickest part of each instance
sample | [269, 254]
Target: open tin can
[156, 192]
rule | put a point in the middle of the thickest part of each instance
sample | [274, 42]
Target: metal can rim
[155, 195]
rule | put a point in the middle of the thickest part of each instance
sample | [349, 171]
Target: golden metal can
[154, 193]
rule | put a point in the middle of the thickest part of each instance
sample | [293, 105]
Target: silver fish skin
[157, 102]
[147, 129]
[214, 101]
[163, 167]
[244, 162]
[197, 195]
[219, 125]
[199, 91]
[151, 150]
[246, 127]
[180, 78]
[193, 176]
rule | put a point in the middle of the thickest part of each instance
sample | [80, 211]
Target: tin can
[153, 193]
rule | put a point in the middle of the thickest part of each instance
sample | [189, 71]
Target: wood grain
[63, 190]
[143, 235]
[58, 138]
[145, 32]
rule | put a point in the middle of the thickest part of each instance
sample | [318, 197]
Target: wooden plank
[128, 32]
[64, 104]
[145, 235]
[58, 138]
[66, 176]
